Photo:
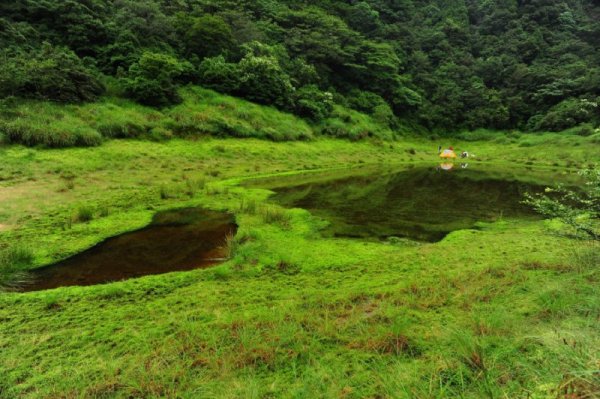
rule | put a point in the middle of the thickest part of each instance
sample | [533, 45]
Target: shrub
[365, 101]
[152, 79]
[312, 103]
[579, 211]
[263, 80]
[49, 73]
[585, 130]
[566, 114]
[218, 74]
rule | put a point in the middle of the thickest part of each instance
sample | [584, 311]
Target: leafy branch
[579, 210]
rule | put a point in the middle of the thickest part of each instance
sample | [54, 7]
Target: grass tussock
[84, 213]
[231, 245]
[13, 264]
[248, 206]
[272, 214]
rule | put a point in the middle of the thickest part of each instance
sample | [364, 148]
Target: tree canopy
[532, 64]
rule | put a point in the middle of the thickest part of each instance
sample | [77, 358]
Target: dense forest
[442, 65]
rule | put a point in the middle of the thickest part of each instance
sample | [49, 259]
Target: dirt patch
[4, 227]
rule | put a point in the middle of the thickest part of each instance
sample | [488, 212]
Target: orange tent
[448, 154]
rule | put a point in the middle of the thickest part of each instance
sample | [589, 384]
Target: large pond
[176, 240]
[420, 203]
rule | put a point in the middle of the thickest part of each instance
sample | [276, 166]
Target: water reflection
[421, 203]
[181, 239]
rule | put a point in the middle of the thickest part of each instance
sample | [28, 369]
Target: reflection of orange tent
[447, 154]
[447, 166]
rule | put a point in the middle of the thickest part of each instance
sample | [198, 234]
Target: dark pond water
[176, 240]
[423, 204]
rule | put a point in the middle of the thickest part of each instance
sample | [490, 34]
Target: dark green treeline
[458, 64]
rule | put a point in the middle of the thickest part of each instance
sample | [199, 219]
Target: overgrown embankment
[202, 113]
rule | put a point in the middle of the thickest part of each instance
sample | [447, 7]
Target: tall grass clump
[34, 124]
[248, 206]
[275, 215]
[231, 245]
[193, 185]
[349, 124]
[586, 258]
[84, 214]
[167, 192]
[122, 119]
[13, 264]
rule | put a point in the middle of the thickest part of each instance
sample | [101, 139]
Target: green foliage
[218, 74]
[206, 112]
[568, 113]
[446, 67]
[349, 124]
[579, 211]
[205, 36]
[50, 73]
[312, 103]
[152, 79]
[263, 80]
[84, 213]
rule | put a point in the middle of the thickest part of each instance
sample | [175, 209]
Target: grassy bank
[503, 311]
[202, 113]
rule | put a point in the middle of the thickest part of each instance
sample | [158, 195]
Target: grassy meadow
[504, 311]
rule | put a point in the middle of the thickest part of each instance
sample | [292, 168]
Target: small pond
[176, 240]
[419, 203]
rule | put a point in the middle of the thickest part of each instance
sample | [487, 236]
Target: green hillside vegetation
[363, 265]
[409, 65]
[201, 113]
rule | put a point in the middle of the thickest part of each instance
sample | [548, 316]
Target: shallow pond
[176, 240]
[421, 203]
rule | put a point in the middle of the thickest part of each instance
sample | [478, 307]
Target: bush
[263, 80]
[218, 74]
[312, 103]
[585, 130]
[49, 73]
[364, 101]
[566, 114]
[578, 210]
[152, 79]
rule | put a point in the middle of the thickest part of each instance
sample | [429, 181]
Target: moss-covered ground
[504, 311]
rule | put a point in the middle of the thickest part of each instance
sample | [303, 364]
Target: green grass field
[505, 311]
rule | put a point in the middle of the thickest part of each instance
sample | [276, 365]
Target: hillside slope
[445, 65]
